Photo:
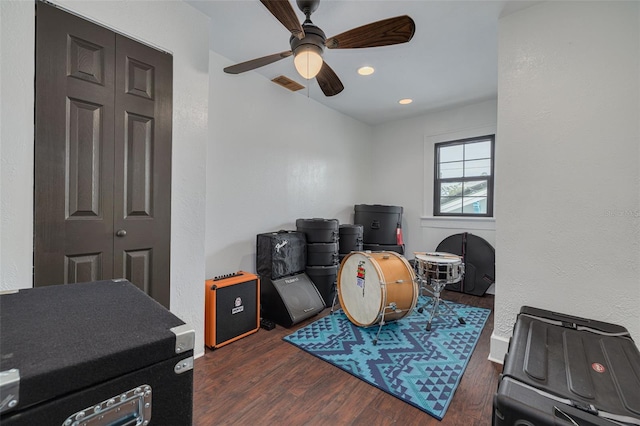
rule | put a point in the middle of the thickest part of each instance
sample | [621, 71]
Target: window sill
[469, 223]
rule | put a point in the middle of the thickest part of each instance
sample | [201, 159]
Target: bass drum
[373, 284]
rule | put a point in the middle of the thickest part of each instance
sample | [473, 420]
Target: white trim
[427, 154]
[498, 348]
[459, 222]
[102, 24]
[465, 133]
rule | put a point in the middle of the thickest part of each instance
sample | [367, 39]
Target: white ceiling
[451, 60]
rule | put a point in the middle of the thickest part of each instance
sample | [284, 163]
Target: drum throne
[434, 271]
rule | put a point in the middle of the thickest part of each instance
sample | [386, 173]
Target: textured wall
[402, 169]
[187, 39]
[274, 156]
[17, 44]
[568, 221]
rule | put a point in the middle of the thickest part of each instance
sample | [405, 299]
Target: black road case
[93, 353]
[565, 370]
[381, 224]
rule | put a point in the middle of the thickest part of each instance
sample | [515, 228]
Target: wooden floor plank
[261, 379]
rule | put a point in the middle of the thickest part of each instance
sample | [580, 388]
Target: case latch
[129, 408]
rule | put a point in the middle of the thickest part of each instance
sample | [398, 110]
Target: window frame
[437, 181]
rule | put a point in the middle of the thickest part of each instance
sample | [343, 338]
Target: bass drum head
[370, 282]
[359, 288]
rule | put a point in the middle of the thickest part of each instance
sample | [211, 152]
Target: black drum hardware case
[99, 353]
[323, 237]
[382, 227]
[565, 370]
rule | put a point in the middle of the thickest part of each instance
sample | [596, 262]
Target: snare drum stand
[436, 300]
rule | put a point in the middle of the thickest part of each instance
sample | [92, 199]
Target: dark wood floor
[262, 380]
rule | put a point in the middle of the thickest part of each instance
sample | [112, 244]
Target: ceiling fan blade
[284, 13]
[381, 33]
[329, 81]
[257, 63]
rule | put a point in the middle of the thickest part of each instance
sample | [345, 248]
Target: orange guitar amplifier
[232, 306]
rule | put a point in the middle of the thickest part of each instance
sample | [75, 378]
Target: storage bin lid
[317, 223]
[378, 208]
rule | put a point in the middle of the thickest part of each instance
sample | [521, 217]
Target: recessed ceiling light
[405, 101]
[365, 70]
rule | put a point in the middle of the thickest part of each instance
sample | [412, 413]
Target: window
[463, 183]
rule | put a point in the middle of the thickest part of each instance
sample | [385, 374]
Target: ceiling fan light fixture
[366, 70]
[308, 60]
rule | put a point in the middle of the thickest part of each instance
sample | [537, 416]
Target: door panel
[83, 159]
[83, 268]
[142, 166]
[102, 156]
[73, 149]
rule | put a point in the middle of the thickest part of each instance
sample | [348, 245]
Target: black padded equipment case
[93, 353]
[565, 370]
[479, 258]
[280, 254]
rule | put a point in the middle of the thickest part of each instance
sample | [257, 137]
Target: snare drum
[439, 267]
[368, 283]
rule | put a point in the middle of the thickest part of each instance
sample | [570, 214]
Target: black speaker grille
[300, 296]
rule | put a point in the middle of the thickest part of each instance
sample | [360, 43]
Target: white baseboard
[498, 348]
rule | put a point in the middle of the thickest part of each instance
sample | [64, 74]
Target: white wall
[402, 171]
[170, 25]
[17, 46]
[568, 206]
[274, 156]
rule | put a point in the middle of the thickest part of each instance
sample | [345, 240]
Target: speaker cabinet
[289, 300]
[231, 308]
[279, 254]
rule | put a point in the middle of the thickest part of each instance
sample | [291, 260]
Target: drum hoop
[450, 259]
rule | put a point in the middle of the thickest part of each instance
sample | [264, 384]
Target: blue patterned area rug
[422, 368]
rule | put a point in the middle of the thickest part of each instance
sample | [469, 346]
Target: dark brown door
[102, 156]
[142, 202]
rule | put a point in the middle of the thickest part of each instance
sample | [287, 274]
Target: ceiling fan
[308, 42]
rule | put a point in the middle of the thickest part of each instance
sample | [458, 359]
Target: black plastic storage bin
[319, 230]
[380, 223]
[322, 254]
[351, 238]
[565, 370]
[324, 277]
